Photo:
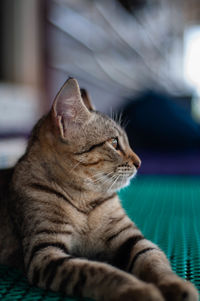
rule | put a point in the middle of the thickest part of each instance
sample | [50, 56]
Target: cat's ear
[86, 99]
[69, 110]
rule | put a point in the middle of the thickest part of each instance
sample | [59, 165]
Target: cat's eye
[114, 143]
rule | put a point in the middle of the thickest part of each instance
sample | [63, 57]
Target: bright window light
[192, 57]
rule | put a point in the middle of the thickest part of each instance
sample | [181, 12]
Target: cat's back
[5, 179]
[9, 243]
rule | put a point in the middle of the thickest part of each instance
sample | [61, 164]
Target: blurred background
[137, 58]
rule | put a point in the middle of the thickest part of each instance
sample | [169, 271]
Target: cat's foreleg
[51, 268]
[145, 260]
[150, 264]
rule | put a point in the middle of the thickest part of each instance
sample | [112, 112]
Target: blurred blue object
[157, 122]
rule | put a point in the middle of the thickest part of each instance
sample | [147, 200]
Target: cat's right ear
[86, 99]
[68, 110]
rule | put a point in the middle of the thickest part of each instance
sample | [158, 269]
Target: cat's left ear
[68, 110]
[86, 99]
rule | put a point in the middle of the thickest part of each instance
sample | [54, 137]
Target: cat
[63, 223]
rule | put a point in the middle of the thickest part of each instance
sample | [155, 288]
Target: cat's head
[89, 145]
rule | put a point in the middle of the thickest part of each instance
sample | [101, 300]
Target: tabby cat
[63, 222]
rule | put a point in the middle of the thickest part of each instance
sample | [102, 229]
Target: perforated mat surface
[167, 209]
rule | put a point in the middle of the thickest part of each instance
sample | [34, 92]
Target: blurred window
[192, 64]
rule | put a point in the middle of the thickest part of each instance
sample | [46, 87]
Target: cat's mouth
[119, 179]
[125, 179]
[115, 179]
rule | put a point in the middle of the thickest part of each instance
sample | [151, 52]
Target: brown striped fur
[64, 216]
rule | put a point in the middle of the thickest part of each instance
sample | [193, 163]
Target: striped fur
[68, 220]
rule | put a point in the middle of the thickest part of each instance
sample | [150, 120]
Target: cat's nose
[135, 160]
[137, 164]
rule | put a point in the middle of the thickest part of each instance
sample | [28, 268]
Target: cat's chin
[116, 186]
[125, 182]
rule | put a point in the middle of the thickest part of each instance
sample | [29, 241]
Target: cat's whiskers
[101, 177]
[104, 172]
[107, 180]
[102, 181]
[123, 180]
[116, 177]
[76, 165]
[96, 176]
[104, 175]
[124, 123]
[119, 118]
[111, 113]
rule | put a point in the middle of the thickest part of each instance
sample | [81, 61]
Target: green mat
[167, 209]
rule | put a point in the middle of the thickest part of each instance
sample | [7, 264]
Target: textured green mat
[167, 209]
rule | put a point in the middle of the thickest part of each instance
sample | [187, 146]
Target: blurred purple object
[174, 163]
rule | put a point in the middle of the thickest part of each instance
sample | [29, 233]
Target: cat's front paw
[146, 292]
[177, 289]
